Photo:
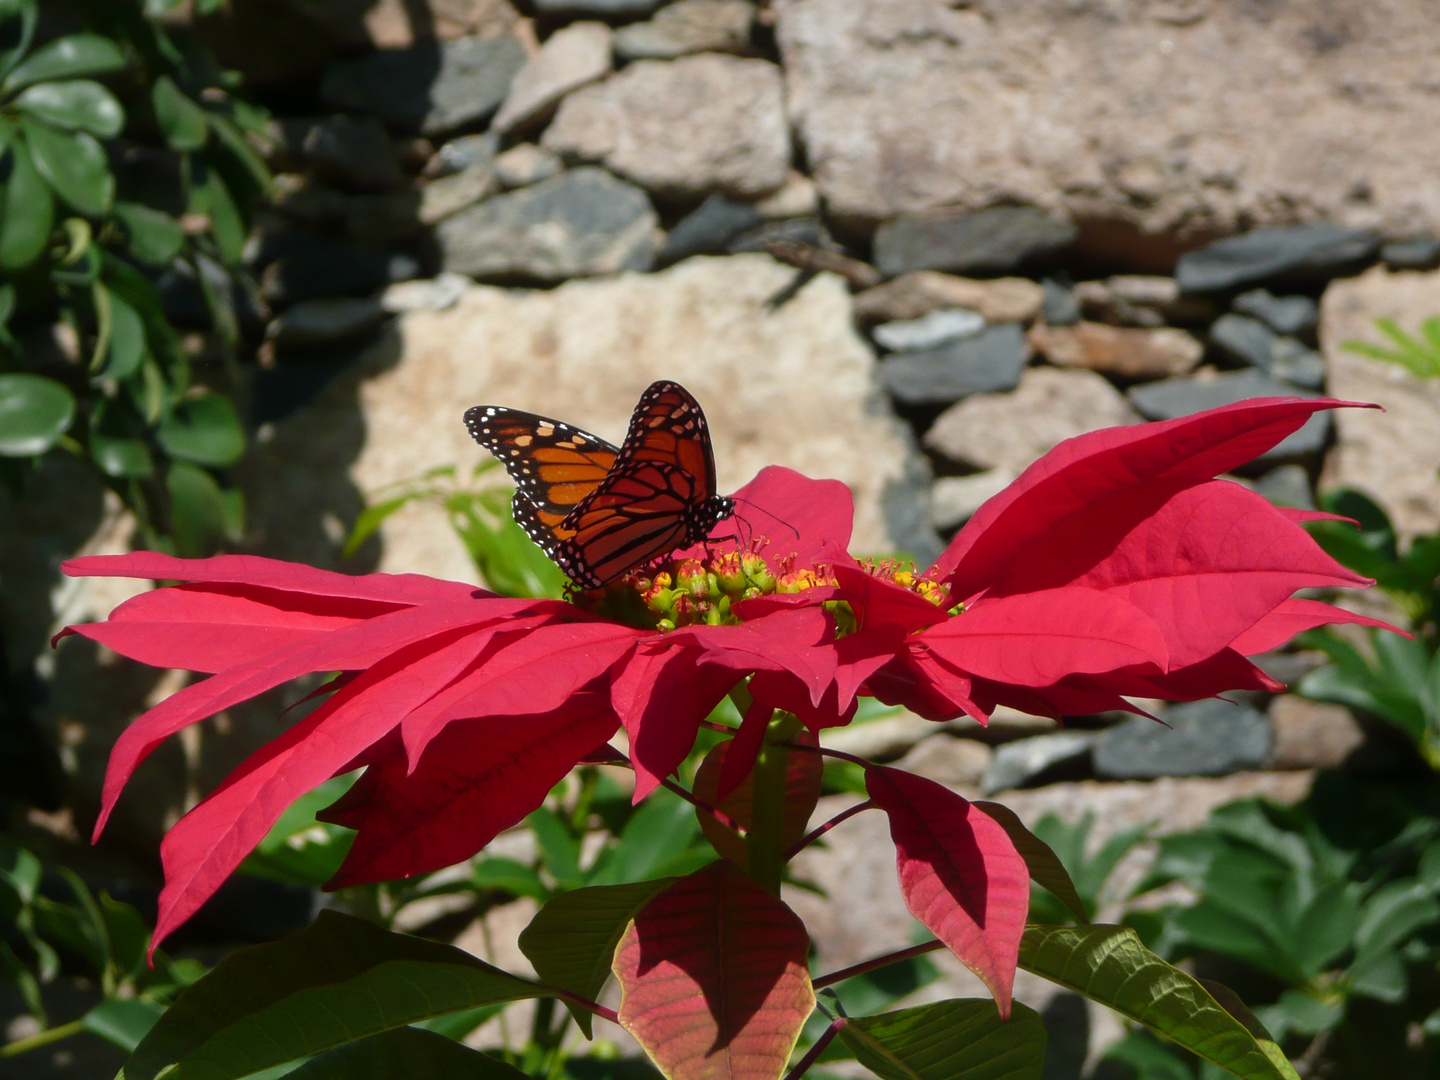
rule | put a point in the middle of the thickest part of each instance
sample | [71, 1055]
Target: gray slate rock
[526, 164]
[1287, 485]
[457, 155]
[351, 152]
[321, 321]
[1061, 307]
[1063, 755]
[688, 26]
[800, 230]
[709, 229]
[431, 88]
[1287, 253]
[1283, 314]
[1173, 398]
[992, 240]
[940, 327]
[578, 224]
[1205, 738]
[989, 362]
[1252, 342]
[1417, 253]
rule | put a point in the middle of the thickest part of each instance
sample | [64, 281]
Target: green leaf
[155, 237]
[205, 430]
[228, 135]
[28, 211]
[18, 44]
[496, 872]
[1380, 974]
[34, 413]
[181, 121]
[1044, 865]
[211, 197]
[1146, 1059]
[1302, 1014]
[949, 1040]
[405, 1054]
[73, 163]
[20, 870]
[1110, 965]
[75, 105]
[68, 58]
[571, 940]
[560, 849]
[123, 1021]
[660, 831]
[197, 509]
[337, 980]
[127, 340]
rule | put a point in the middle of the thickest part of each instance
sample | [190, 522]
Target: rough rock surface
[954, 499]
[584, 352]
[1124, 352]
[1009, 431]
[578, 224]
[1391, 456]
[1311, 734]
[1203, 738]
[682, 128]
[689, 26]
[913, 296]
[988, 362]
[571, 58]
[997, 238]
[1202, 118]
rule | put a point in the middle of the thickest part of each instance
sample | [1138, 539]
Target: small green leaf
[212, 198]
[75, 105]
[28, 211]
[155, 237]
[949, 1040]
[67, 58]
[1044, 865]
[205, 430]
[127, 339]
[116, 440]
[197, 509]
[181, 121]
[34, 413]
[405, 1054]
[229, 135]
[571, 941]
[1110, 965]
[73, 163]
[17, 39]
[338, 980]
[123, 1022]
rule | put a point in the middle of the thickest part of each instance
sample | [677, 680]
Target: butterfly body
[599, 510]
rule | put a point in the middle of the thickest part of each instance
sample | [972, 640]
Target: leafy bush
[126, 165]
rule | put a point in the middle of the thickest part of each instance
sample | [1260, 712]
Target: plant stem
[42, 1038]
[821, 830]
[878, 962]
[765, 842]
[591, 1006]
[816, 1050]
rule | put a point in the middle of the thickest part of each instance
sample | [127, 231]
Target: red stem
[878, 962]
[815, 1051]
[585, 1003]
[825, 751]
[715, 725]
[720, 815]
[821, 830]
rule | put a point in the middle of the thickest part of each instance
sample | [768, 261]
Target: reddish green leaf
[959, 873]
[571, 940]
[714, 978]
[1045, 866]
[803, 772]
[949, 1040]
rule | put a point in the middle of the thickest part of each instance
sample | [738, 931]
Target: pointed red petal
[785, 641]
[533, 672]
[959, 873]
[209, 842]
[714, 979]
[357, 646]
[882, 603]
[804, 772]
[920, 682]
[1036, 639]
[739, 755]
[1097, 465]
[1294, 616]
[252, 571]
[477, 778]
[798, 515]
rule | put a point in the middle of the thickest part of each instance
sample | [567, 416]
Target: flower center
[689, 592]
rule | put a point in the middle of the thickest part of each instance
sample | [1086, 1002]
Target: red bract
[1117, 565]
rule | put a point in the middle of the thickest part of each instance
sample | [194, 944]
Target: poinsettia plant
[1116, 567]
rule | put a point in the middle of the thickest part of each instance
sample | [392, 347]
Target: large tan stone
[682, 128]
[1392, 455]
[793, 386]
[1197, 118]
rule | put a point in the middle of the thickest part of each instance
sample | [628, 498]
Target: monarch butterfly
[598, 510]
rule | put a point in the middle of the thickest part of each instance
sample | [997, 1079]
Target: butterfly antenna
[768, 513]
